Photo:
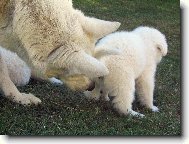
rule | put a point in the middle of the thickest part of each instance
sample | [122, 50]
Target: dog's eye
[100, 78]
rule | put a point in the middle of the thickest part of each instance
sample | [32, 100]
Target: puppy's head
[156, 39]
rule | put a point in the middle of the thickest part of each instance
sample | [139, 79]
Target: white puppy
[142, 49]
[18, 70]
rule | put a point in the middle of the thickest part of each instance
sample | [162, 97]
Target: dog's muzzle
[91, 86]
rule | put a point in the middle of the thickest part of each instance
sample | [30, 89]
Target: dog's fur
[142, 49]
[18, 70]
[14, 71]
[54, 39]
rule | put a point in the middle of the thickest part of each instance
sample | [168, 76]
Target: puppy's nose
[91, 86]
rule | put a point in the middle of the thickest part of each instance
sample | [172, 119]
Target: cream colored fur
[142, 49]
[54, 39]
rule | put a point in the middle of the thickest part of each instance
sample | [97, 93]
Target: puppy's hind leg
[145, 88]
[124, 99]
[9, 89]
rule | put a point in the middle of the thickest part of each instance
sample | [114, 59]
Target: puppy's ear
[82, 63]
[96, 27]
[162, 48]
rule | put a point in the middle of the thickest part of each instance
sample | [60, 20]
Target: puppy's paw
[155, 109]
[123, 109]
[136, 114]
[106, 98]
[91, 95]
[87, 94]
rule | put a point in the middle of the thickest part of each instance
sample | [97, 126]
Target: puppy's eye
[159, 48]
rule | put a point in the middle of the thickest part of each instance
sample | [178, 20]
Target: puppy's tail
[100, 52]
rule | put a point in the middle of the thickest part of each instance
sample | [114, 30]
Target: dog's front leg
[9, 89]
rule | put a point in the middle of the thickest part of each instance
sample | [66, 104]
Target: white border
[3, 139]
[185, 7]
[147, 140]
[86, 140]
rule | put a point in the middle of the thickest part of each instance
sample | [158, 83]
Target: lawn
[64, 112]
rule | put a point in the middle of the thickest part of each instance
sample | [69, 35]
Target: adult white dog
[54, 39]
[141, 51]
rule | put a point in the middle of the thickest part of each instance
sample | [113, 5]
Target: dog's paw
[27, 99]
[155, 109]
[55, 81]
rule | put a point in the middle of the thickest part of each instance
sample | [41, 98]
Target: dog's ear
[82, 63]
[98, 28]
[70, 2]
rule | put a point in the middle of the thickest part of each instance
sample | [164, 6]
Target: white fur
[14, 70]
[54, 39]
[55, 81]
[50, 35]
[142, 49]
[18, 70]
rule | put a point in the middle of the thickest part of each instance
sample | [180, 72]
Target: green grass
[64, 112]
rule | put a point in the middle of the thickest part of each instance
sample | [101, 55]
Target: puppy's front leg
[145, 88]
[95, 93]
[9, 89]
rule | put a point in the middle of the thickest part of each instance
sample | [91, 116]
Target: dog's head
[60, 40]
[73, 62]
[156, 39]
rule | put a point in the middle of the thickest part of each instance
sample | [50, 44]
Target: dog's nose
[91, 86]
